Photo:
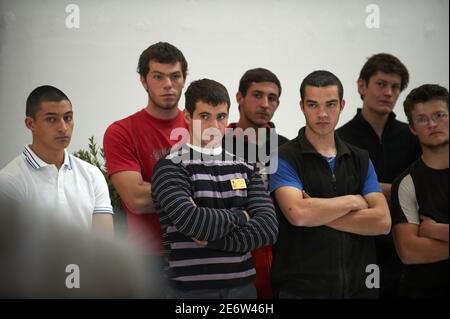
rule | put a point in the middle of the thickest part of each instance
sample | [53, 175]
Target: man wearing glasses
[420, 209]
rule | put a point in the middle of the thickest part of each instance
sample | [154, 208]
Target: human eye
[50, 119]
[421, 120]
[204, 116]
[332, 104]
[273, 99]
[68, 118]
[157, 77]
[257, 95]
[176, 76]
[380, 84]
[222, 117]
[439, 116]
[311, 105]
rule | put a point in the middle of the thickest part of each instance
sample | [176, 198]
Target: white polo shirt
[72, 194]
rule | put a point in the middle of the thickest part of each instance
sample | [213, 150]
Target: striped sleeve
[102, 199]
[172, 194]
[260, 230]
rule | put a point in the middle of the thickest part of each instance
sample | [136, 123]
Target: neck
[324, 144]
[49, 156]
[436, 158]
[244, 124]
[376, 120]
[161, 113]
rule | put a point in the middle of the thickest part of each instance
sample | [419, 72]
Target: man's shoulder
[16, 167]
[125, 123]
[81, 166]
[15, 175]
[349, 128]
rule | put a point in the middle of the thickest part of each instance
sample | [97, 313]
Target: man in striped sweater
[213, 208]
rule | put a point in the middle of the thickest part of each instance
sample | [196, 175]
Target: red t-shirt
[136, 143]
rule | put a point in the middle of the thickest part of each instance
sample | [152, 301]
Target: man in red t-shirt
[134, 144]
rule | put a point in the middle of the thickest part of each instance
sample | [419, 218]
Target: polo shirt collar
[36, 163]
[308, 148]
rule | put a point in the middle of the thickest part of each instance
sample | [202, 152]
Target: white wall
[95, 64]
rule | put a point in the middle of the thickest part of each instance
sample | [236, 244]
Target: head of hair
[207, 91]
[321, 78]
[161, 52]
[386, 63]
[422, 94]
[257, 75]
[44, 93]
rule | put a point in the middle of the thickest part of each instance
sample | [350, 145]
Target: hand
[305, 194]
[192, 201]
[201, 243]
[359, 203]
[246, 215]
[426, 226]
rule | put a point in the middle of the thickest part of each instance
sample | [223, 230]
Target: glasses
[436, 117]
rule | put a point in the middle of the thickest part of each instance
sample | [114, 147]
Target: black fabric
[432, 191]
[320, 262]
[391, 155]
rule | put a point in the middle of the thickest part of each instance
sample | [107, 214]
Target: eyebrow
[159, 72]
[54, 113]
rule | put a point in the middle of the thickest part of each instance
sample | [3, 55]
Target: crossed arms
[363, 215]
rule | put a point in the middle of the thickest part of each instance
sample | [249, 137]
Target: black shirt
[392, 154]
[422, 190]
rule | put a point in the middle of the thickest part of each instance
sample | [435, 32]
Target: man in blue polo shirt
[45, 179]
[329, 204]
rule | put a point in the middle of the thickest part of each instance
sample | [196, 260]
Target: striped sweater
[216, 217]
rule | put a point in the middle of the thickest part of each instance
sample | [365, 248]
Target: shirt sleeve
[260, 230]
[172, 194]
[371, 184]
[10, 190]
[102, 199]
[405, 208]
[285, 175]
[120, 154]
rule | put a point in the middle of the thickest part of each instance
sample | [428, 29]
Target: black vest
[320, 262]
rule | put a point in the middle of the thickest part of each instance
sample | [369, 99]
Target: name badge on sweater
[238, 183]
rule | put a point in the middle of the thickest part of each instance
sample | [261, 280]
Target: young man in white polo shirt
[45, 179]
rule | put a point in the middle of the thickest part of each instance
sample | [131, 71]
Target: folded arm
[301, 210]
[172, 192]
[260, 230]
[413, 249]
[374, 220]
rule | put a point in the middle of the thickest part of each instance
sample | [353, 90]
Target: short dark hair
[257, 75]
[321, 78]
[161, 52]
[207, 91]
[386, 63]
[44, 93]
[422, 94]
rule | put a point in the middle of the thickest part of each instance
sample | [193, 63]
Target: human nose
[62, 127]
[388, 90]
[167, 82]
[322, 112]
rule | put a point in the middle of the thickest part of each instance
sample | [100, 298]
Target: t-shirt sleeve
[11, 189]
[102, 199]
[405, 208]
[285, 175]
[371, 184]
[120, 154]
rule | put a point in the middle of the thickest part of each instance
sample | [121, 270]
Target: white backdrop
[95, 64]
